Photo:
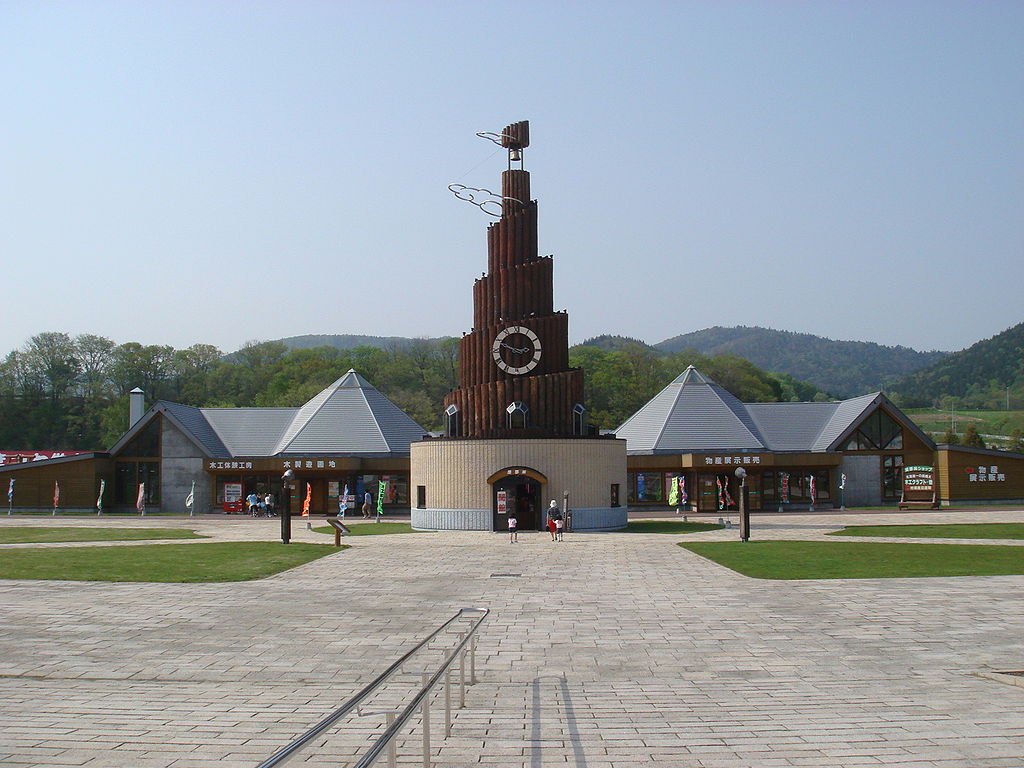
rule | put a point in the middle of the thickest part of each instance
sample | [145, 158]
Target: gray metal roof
[791, 426]
[250, 431]
[694, 414]
[348, 418]
[194, 423]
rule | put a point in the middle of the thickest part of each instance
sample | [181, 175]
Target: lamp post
[741, 475]
[286, 512]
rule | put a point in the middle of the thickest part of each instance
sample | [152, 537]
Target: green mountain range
[987, 374]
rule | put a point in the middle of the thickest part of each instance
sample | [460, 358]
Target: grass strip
[951, 531]
[35, 535]
[173, 563]
[371, 529]
[860, 560]
[667, 526]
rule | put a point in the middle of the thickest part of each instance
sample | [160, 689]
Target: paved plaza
[607, 651]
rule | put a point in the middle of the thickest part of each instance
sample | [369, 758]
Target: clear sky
[218, 172]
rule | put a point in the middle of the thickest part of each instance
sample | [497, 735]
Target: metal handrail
[290, 750]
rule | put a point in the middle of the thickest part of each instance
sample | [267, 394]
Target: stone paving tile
[611, 651]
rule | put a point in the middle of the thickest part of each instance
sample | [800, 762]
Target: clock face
[516, 350]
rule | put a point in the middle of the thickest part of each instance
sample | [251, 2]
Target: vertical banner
[99, 497]
[784, 487]
[382, 489]
[814, 490]
[56, 495]
[721, 498]
[683, 498]
[502, 502]
[10, 495]
[641, 486]
[673, 493]
[140, 500]
[190, 500]
[305, 501]
[725, 493]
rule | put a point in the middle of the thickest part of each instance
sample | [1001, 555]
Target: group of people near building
[260, 507]
[555, 525]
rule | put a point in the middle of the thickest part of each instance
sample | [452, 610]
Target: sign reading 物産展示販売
[985, 474]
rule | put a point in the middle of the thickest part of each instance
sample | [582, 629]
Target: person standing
[367, 505]
[252, 503]
[559, 524]
[513, 529]
[553, 516]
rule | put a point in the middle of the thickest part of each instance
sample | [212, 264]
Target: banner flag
[99, 498]
[725, 491]
[382, 489]
[673, 493]
[56, 493]
[305, 501]
[10, 491]
[140, 500]
[682, 491]
[191, 498]
[842, 481]
[814, 491]
[784, 482]
[721, 498]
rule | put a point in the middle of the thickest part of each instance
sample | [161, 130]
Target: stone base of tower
[475, 484]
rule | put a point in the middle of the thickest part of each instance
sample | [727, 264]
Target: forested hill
[351, 341]
[844, 368]
[979, 374]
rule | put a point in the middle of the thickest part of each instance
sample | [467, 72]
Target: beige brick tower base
[454, 482]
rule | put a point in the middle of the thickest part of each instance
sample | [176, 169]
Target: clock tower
[516, 444]
[514, 374]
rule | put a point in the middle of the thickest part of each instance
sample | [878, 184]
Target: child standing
[513, 529]
[559, 523]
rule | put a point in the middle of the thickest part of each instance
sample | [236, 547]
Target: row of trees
[64, 392]
[71, 393]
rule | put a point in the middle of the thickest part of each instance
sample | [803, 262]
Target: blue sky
[219, 172]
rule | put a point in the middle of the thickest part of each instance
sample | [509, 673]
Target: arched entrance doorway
[517, 491]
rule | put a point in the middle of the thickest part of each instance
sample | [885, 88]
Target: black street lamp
[741, 475]
[286, 513]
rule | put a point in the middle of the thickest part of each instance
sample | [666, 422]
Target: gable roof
[694, 414]
[348, 418]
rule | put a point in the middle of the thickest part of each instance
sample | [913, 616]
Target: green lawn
[32, 535]
[859, 560]
[667, 526]
[952, 531]
[227, 561]
[371, 529]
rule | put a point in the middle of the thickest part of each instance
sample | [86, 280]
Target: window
[892, 477]
[517, 413]
[451, 419]
[579, 419]
[128, 475]
[878, 432]
[421, 497]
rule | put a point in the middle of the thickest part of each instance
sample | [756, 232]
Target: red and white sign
[23, 457]
[502, 502]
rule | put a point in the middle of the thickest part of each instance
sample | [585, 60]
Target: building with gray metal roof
[690, 438]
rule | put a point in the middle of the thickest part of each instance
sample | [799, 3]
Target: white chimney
[136, 406]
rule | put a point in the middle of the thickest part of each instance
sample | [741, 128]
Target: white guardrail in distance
[465, 623]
